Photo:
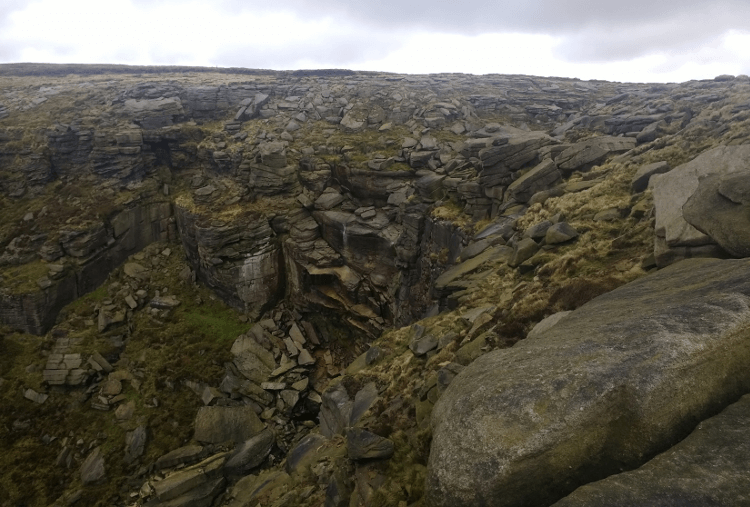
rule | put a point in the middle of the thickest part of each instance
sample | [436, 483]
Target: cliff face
[283, 273]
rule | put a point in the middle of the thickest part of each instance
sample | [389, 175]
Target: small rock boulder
[92, 469]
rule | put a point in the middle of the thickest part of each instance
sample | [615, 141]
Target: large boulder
[710, 467]
[720, 207]
[622, 378]
[673, 189]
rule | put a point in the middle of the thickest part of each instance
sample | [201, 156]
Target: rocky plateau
[236, 287]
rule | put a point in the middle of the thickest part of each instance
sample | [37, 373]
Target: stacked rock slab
[605, 389]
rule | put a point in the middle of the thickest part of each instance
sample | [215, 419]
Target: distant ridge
[63, 69]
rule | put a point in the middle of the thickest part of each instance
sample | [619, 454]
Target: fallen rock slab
[620, 379]
[710, 467]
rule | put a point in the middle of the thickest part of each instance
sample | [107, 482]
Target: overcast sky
[637, 40]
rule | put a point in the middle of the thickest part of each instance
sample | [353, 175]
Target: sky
[636, 41]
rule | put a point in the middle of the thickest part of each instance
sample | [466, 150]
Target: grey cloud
[7, 7]
[676, 36]
[341, 49]
[592, 30]
[9, 51]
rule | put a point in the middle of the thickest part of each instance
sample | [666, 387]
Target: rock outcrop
[298, 282]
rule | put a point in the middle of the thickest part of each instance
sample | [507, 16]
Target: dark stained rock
[430, 187]
[607, 387]
[538, 231]
[709, 467]
[240, 259]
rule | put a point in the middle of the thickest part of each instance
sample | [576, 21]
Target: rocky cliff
[256, 286]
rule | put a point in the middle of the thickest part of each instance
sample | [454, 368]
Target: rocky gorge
[244, 287]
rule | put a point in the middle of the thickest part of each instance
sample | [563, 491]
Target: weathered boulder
[725, 219]
[620, 379]
[199, 496]
[355, 119]
[709, 467]
[560, 233]
[546, 324]
[220, 424]
[523, 251]
[304, 451]
[673, 189]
